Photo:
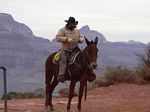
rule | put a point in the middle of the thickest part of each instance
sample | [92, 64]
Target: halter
[85, 62]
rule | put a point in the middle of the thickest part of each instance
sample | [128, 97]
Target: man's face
[71, 26]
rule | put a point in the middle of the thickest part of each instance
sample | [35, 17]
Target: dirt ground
[116, 98]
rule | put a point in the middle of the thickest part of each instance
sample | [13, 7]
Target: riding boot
[91, 76]
[62, 67]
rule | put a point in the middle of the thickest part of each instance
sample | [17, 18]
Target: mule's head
[90, 52]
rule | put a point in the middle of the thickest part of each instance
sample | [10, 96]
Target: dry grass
[118, 75]
[145, 73]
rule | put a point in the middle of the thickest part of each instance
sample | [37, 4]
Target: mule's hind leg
[47, 88]
[47, 94]
[71, 93]
[52, 87]
[48, 103]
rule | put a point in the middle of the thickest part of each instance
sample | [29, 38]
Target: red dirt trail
[116, 98]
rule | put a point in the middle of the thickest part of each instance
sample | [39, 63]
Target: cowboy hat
[72, 20]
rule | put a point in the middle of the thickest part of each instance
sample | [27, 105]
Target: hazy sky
[117, 20]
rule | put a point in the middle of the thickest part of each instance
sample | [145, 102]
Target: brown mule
[79, 72]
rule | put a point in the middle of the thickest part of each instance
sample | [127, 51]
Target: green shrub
[26, 95]
[8, 97]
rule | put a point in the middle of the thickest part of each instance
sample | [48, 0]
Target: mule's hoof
[52, 108]
[68, 110]
[79, 110]
[47, 109]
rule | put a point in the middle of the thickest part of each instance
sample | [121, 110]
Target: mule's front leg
[71, 93]
[82, 85]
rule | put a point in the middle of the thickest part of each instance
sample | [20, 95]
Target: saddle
[71, 59]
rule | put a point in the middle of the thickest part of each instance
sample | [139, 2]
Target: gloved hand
[80, 40]
[70, 40]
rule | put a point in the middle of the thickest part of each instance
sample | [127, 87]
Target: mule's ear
[96, 41]
[87, 41]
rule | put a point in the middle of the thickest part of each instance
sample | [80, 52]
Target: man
[69, 36]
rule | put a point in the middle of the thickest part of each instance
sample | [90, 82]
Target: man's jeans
[63, 62]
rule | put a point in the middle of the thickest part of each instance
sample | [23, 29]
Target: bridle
[85, 64]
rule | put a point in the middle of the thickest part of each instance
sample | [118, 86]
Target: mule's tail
[85, 91]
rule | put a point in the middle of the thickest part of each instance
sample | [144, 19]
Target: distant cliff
[23, 54]
[9, 25]
[91, 34]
